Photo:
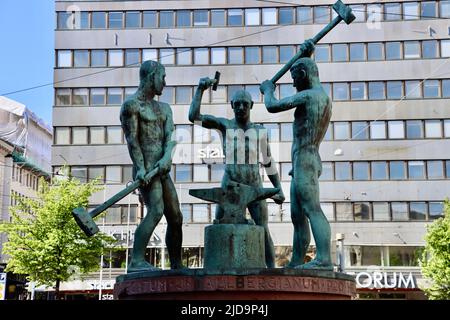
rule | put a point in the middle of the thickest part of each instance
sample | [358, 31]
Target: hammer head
[85, 221]
[217, 78]
[344, 11]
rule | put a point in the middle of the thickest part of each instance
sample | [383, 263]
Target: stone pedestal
[234, 246]
[237, 284]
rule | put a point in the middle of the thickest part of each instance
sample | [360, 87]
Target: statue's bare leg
[152, 196]
[302, 236]
[174, 217]
[259, 213]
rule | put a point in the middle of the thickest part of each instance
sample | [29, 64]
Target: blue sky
[27, 52]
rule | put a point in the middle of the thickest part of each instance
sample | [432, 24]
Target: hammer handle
[297, 56]
[122, 194]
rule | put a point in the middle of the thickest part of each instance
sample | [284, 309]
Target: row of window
[338, 91]
[336, 52]
[276, 132]
[373, 12]
[25, 177]
[334, 211]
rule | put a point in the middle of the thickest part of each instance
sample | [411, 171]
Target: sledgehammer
[85, 220]
[344, 13]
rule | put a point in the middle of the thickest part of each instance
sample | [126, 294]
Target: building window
[403, 256]
[218, 55]
[361, 170]
[392, 11]
[397, 170]
[399, 211]
[429, 49]
[378, 130]
[235, 55]
[447, 128]
[115, 58]
[183, 95]
[286, 53]
[286, 167]
[327, 172]
[79, 135]
[412, 49]
[341, 130]
[167, 95]
[416, 170]
[269, 16]
[410, 10]
[436, 210]
[375, 51]
[394, 89]
[431, 89]
[445, 48]
[115, 20]
[132, 57]
[269, 54]
[286, 132]
[183, 173]
[285, 16]
[376, 91]
[321, 15]
[254, 92]
[115, 96]
[200, 213]
[183, 133]
[393, 51]
[417, 211]
[413, 89]
[98, 20]
[428, 9]
[235, 17]
[360, 12]
[252, 55]
[166, 19]
[220, 95]
[328, 210]
[65, 20]
[396, 130]
[433, 129]
[379, 170]
[217, 18]
[273, 131]
[96, 173]
[339, 52]
[81, 58]
[149, 19]
[200, 17]
[287, 90]
[360, 130]
[184, 56]
[201, 173]
[80, 97]
[79, 173]
[361, 211]
[62, 135]
[183, 18]
[357, 52]
[321, 53]
[113, 174]
[186, 210]
[340, 91]
[435, 170]
[97, 135]
[344, 211]
[444, 9]
[132, 19]
[63, 97]
[64, 58]
[445, 88]
[167, 56]
[98, 96]
[217, 171]
[201, 56]
[381, 211]
[343, 171]
[414, 129]
[252, 17]
[114, 135]
[98, 58]
[304, 15]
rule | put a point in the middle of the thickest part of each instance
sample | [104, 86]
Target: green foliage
[44, 240]
[436, 257]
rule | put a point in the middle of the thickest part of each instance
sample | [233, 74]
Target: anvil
[233, 199]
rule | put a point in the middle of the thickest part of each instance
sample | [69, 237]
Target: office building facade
[386, 158]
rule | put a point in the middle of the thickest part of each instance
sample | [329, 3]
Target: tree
[44, 240]
[435, 260]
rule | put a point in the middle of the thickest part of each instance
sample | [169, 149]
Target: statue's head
[242, 103]
[152, 76]
[305, 73]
